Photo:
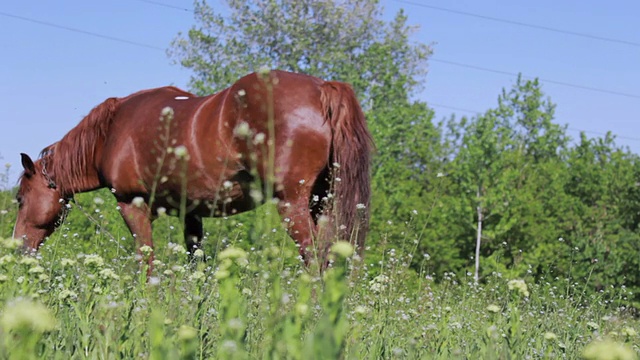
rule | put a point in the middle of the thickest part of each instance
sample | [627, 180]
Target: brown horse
[280, 135]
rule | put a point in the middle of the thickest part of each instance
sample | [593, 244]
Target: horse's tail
[351, 148]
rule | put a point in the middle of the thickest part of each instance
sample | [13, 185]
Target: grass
[91, 299]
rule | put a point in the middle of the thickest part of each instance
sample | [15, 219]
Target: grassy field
[90, 299]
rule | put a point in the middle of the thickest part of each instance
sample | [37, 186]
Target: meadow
[252, 298]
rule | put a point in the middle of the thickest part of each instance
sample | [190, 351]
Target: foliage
[255, 304]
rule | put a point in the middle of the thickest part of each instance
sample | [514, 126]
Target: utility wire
[80, 31]
[449, 107]
[518, 23]
[555, 82]
[158, 3]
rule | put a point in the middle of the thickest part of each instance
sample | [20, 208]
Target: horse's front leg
[137, 217]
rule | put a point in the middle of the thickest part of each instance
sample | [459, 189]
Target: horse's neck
[77, 180]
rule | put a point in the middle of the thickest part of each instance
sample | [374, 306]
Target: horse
[295, 139]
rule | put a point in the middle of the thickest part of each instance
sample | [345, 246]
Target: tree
[341, 40]
[504, 171]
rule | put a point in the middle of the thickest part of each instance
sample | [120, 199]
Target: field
[91, 299]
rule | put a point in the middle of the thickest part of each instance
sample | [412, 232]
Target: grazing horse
[289, 137]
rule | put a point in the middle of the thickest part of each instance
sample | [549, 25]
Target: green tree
[341, 40]
[504, 175]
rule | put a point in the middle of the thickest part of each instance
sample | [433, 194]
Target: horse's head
[40, 204]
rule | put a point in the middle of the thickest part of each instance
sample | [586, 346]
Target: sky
[61, 58]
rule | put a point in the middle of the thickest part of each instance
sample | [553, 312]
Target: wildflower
[197, 276]
[27, 314]
[166, 112]
[520, 286]
[93, 260]
[342, 248]
[361, 206]
[137, 201]
[108, 274]
[492, 332]
[232, 253]
[67, 295]
[493, 308]
[229, 346]
[242, 130]
[186, 333]
[256, 195]
[302, 309]
[67, 262]
[198, 253]
[629, 331]
[221, 274]
[146, 250]
[98, 201]
[361, 310]
[36, 270]
[177, 248]
[247, 292]
[258, 139]
[592, 325]
[236, 324]
[168, 272]
[378, 284]
[227, 185]
[154, 280]
[323, 220]
[157, 263]
[178, 269]
[7, 259]
[11, 243]
[161, 211]
[181, 152]
[28, 260]
[549, 336]
[608, 349]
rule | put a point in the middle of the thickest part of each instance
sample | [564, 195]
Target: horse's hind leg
[296, 216]
[193, 233]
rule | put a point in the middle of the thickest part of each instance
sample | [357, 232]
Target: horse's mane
[70, 161]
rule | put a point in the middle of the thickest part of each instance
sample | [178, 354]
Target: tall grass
[68, 303]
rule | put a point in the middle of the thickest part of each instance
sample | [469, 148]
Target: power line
[80, 31]
[523, 24]
[158, 3]
[449, 107]
[443, 61]
[555, 82]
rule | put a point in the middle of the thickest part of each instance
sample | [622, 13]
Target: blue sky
[51, 77]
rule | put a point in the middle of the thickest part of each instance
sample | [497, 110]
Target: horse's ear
[27, 164]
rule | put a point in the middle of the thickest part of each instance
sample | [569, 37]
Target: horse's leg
[296, 216]
[193, 233]
[136, 217]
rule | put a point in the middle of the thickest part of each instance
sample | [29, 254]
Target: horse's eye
[19, 200]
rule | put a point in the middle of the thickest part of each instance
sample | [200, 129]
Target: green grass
[90, 299]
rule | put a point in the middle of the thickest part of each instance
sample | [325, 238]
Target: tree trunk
[478, 236]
